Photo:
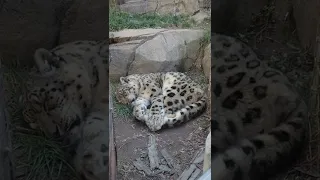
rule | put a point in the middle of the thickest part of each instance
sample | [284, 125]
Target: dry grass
[121, 110]
[311, 164]
[35, 156]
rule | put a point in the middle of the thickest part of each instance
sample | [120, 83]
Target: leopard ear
[42, 58]
[123, 80]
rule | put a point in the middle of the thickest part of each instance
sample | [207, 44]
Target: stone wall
[205, 4]
[229, 16]
[162, 6]
[28, 25]
[307, 18]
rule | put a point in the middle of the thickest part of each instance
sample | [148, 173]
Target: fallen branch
[141, 166]
[188, 172]
[153, 153]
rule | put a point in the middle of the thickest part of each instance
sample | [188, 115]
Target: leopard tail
[188, 112]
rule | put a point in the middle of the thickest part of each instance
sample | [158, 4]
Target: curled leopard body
[259, 121]
[172, 96]
[153, 116]
[91, 158]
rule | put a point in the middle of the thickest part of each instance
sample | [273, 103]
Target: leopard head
[128, 90]
[47, 108]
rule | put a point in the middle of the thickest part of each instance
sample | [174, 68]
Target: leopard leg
[156, 114]
[140, 109]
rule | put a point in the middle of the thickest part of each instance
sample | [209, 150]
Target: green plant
[119, 20]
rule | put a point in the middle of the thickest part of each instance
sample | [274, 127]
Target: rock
[121, 55]
[132, 34]
[28, 25]
[205, 4]
[209, 110]
[207, 153]
[223, 11]
[229, 16]
[161, 7]
[153, 50]
[200, 17]
[172, 50]
[206, 61]
[137, 6]
[47, 23]
[85, 20]
[307, 17]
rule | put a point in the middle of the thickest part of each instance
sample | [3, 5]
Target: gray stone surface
[28, 25]
[161, 7]
[153, 50]
[307, 17]
[172, 50]
[121, 55]
[85, 20]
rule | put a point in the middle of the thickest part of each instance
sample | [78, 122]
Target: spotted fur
[67, 81]
[259, 121]
[174, 98]
[91, 158]
[67, 88]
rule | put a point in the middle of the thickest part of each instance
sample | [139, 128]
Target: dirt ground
[181, 142]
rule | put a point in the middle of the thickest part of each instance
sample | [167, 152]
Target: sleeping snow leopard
[67, 81]
[173, 96]
[70, 86]
[259, 121]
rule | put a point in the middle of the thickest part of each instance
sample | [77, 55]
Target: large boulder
[146, 52]
[85, 20]
[122, 49]
[28, 25]
[172, 50]
[121, 55]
